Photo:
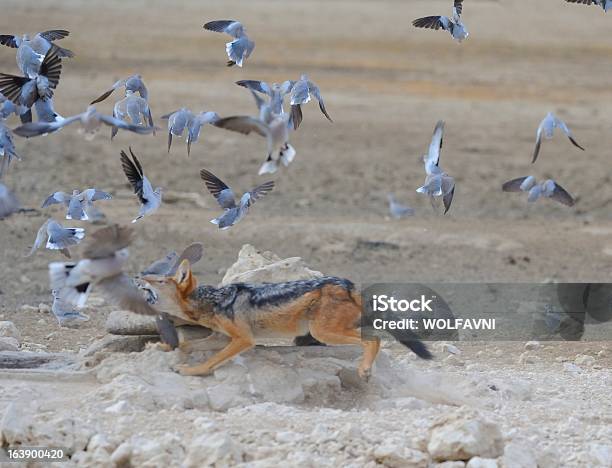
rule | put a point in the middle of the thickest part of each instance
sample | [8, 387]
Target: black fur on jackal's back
[264, 294]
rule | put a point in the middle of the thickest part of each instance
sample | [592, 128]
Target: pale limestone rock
[124, 322]
[518, 455]
[532, 345]
[8, 329]
[253, 266]
[396, 455]
[461, 436]
[478, 462]
[120, 344]
[572, 368]
[8, 343]
[584, 360]
[216, 449]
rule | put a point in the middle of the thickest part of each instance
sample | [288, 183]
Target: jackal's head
[173, 291]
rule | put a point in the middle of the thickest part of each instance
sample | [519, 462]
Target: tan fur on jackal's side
[329, 308]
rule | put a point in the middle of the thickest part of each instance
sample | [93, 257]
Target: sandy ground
[385, 85]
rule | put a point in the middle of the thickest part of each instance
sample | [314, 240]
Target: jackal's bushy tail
[405, 337]
[412, 342]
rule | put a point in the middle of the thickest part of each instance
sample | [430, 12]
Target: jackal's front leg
[242, 339]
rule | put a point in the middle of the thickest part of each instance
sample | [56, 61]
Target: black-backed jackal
[328, 307]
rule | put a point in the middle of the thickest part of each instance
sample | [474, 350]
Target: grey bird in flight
[397, 210]
[31, 52]
[24, 90]
[133, 110]
[167, 265]
[546, 130]
[101, 267]
[453, 25]
[547, 189]
[8, 202]
[234, 212]
[7, 108]
[46, 112]
[7, 149]
[78, 204]
[301, 93]
[132, 83]
[58, 237]
[150, 200]
[437, 182]
[275, 91]
[241, 47]
[604, 4]
[273, 127]
[183, 119]
[91, 120]
[64, 312]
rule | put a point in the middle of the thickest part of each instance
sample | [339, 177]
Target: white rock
[478, 462]
[527, 358]
[600, 455]
[8, 329]
[44, 308]
[451, 348]
[461, 437]
[122, 454]
[217, 449]
[584, 360]
[8, 343]
[287, 437]
[124, 322]
[454, 360]
[396, 455]
[532, 345]
[121, 407]
[164, 450]
[224, 396]
[450, 464]
[571, 368]
[259, 267]
[25, 426]
[518, 455]
[98, 453]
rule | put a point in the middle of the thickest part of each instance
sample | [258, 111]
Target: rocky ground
[385, 85]
[120, 402]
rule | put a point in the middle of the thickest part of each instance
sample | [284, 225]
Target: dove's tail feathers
[61, 52]
[287, 154]
[74, 295]
[269, 167]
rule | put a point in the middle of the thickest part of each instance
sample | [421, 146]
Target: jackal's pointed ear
[184, 278]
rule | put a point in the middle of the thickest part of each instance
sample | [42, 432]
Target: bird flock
[40, 60]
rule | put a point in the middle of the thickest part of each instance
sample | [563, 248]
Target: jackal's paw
[184, 369]
[164, 347]
[365, 374]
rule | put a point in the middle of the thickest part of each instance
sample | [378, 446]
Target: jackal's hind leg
[349, 336]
